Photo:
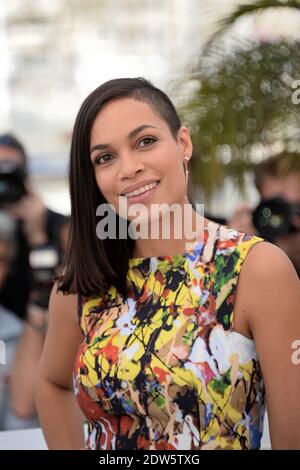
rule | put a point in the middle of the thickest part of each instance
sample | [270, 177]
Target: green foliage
[242, 103]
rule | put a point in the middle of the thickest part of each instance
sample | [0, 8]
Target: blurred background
[231, 67]
[54, 53]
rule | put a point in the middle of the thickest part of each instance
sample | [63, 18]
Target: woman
[166, 338]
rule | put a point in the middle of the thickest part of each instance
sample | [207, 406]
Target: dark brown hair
[93, 265]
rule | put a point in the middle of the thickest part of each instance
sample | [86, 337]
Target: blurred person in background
[277, 216]
[40, 240]
[11, 326]
[38, 231]
[29, 349]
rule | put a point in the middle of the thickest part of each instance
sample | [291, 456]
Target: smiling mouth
[141, 190]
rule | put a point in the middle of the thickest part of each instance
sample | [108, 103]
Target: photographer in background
[11, 327]
[40, 242]
[38, 229]
[277, 217]
[29, 348]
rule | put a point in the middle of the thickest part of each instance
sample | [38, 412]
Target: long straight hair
[92, 265]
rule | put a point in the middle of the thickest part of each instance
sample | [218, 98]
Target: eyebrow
[131, 134]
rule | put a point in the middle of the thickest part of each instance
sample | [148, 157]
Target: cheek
[103, 183]
[171, 170]
[175, 172]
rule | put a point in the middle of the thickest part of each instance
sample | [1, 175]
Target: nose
[130, 166]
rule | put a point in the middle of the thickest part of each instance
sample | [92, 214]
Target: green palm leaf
[242, 104]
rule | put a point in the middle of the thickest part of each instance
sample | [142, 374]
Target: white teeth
[141, 190]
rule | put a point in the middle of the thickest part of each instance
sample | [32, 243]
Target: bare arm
[60, 416]
[23, 375]
[269, 297]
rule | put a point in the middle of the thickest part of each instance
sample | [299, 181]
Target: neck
[181, 234]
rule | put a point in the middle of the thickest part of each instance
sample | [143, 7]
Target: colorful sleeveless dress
[164, 368]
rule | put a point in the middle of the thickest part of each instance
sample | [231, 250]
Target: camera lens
[272, 217]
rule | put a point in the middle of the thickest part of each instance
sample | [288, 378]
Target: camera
[272, 218]
[43, 262]
[12, 177]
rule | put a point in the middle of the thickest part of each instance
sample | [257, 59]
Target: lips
[139, 188]
[143, 197]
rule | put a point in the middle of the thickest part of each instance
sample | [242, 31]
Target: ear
[185, 142]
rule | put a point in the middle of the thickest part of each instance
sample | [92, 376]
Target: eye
[102, 158]
[107, 157]
[148, 139]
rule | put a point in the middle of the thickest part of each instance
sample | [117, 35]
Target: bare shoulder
[267, 263]
[62, 304]
[268, 287]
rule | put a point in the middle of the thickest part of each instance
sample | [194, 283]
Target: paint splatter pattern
[164, 368]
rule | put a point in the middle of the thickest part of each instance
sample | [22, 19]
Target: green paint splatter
[220, 386]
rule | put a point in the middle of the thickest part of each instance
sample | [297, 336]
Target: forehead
[120, 116]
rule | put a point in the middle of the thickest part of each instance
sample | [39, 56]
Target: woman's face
[131, 147]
